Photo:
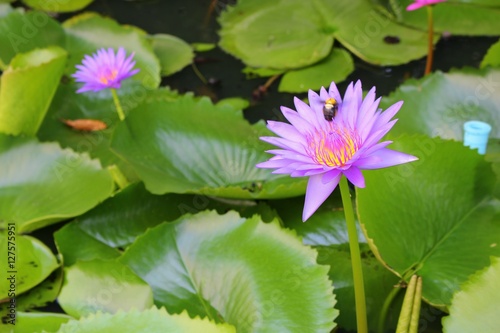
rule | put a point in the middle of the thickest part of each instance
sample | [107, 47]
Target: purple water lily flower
[421, 3]
[105, 69]
[330, 138]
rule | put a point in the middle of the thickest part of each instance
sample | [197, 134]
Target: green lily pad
[26, 262]
[87, 248]
[99, 285]
[68, 105]
[435, 217]
[22, 32]
[280, 34]
[439, 104]
[49, 183]
[174, 53]
[255, 276]
[58, 6]
[492, 57]
[303, 33]
[470, 18]
[88, 32]
[42, 294]
[152, 321]
[336, 67]
[474, 307]
[190, 145]
[29, 322]
[35, 74]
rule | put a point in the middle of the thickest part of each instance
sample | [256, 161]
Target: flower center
[333, 148]
[108, 75]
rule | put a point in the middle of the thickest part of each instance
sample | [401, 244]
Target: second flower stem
[430, 45]
[118, 106]
[357, 270]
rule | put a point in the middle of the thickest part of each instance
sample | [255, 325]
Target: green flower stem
[357, 270]
[118, 176]
[385, 308]
[118, 106]
[430, 46]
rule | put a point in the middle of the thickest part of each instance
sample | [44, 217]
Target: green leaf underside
[35, 74]
[22, 32]
[88, 32]
[470, 19]
[30, 322]
[336, 67]
[252, 275]
[173, 53]
[475, 307]
[492, 57]
[46, 181]
[167, 143]
[58, 6]
[303, 33]
[87, 248]
[151, 321]
[435, 217]
[439, 104]
[102, 285]
[29, 263]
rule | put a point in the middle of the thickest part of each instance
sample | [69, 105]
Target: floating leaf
[49, 183]
[35, 74]
[152, 321]
[435, 217]
[276, 34]
[492, 57]
[88, 32]
[25, 260]
[253, 275]
[474, 307]
[191, 145]
[336, 67]
[98, 285]
[58, 6]
[439, 104]
[174, 53]
[22, 32]
[303, 33]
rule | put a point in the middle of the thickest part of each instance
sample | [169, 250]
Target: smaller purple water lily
[422, 3]
[330, 138]
[105, 69]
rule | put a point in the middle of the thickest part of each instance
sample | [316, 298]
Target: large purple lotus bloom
[421, 3]
[104, 69]
[325, 148]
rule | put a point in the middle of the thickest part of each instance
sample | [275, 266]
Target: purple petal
[334, 92]
[387, 115]
[306, 112]
[355, 176]
[285, 130]
[317, 193]
[330, 175]
[296, 120]
[384, 158]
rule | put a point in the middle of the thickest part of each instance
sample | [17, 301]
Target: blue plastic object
[476, 135]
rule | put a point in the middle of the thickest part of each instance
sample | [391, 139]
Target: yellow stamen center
[109, 76]
[333, 148]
